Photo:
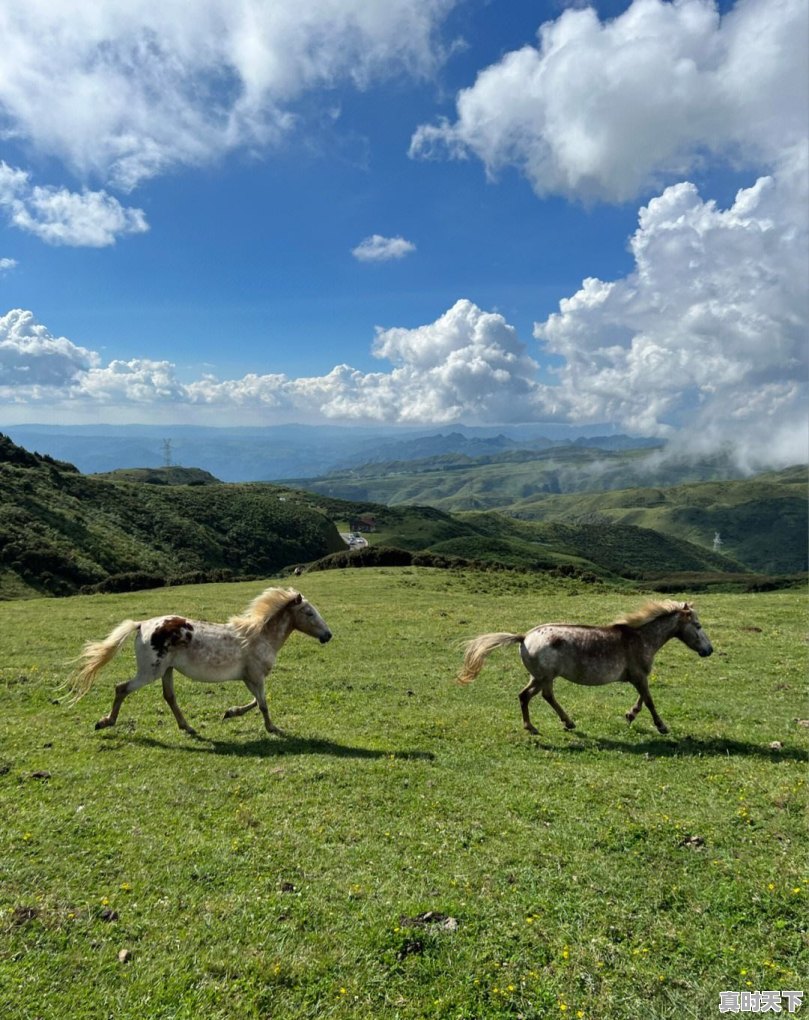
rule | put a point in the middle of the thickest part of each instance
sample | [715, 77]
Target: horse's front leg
[171, 701]
[255, 684]
[633, 713]
[645, 698]
[237, 710]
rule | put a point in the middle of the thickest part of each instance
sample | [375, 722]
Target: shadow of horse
[686, 747]
[275, 747]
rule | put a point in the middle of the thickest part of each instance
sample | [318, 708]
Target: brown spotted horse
[244, 648]
[593, 656]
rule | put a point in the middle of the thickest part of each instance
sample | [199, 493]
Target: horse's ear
[297, 600]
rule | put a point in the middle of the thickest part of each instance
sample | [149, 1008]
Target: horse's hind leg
[543, 686]
[171, 701]
[148, 670]
[231, 713]
[121, 690]
[547, 694]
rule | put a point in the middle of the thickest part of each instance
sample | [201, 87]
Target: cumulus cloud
[467, 361]
[59, 216]
[6, 265]
[707, 336]
[34, 363]
[377, 248]
[127, 91]
[604, 110]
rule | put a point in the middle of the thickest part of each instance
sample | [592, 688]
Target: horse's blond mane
[651, 611]
[263, 607]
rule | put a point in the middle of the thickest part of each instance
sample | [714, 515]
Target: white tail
[477, 650]
[96, 654]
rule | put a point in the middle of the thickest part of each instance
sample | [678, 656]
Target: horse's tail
[95, 655]
[478, 648]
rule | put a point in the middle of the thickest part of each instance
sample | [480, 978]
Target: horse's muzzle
[326, 638]
[705, 652]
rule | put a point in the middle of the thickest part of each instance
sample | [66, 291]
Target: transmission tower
[167, 461]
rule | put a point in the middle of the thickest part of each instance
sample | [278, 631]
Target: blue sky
[602, 223]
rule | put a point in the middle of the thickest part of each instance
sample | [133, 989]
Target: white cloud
[58, 216]
[377, 248]
[34, 364]
[467, 362]
[707, 336]
[6, 265]
[602, 111]
[125, 91]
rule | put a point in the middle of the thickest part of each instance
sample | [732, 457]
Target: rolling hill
[457, 481]
[761, 521]
[63, 532]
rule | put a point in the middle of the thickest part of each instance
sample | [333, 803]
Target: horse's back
[585, 655]
[199, 649]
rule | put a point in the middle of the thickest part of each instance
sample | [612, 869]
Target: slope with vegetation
[761, 521]
[61, 531]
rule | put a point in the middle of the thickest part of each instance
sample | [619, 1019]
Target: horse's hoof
[102, 724]
[629, 717]
[532, 729]
[190, 731]
[662, 728]
[570, 726]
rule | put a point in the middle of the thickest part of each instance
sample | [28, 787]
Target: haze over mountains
[245, 454]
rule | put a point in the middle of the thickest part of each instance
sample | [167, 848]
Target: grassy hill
[61, 531]
[406, 851]
[173, 475]
[762, 521]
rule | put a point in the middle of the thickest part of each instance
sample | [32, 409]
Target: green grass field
[605, 873]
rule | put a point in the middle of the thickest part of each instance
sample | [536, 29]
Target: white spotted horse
[244, 648]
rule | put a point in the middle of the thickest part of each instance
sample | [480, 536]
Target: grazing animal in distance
[593, 656]
[244, 648]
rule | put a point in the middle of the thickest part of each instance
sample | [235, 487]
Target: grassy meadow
[407, 850]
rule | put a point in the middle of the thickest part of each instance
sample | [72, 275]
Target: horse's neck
[657, 632]
[277, 631]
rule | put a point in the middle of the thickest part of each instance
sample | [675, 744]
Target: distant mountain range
[286, 451]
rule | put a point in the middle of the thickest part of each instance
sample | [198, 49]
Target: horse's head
[308, 620]
[690, 632]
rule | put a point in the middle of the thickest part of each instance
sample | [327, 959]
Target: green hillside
[61, 531]
[454, 482]
[761, 521]
[172, 475]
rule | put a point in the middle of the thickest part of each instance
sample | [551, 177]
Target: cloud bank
[122, 92]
